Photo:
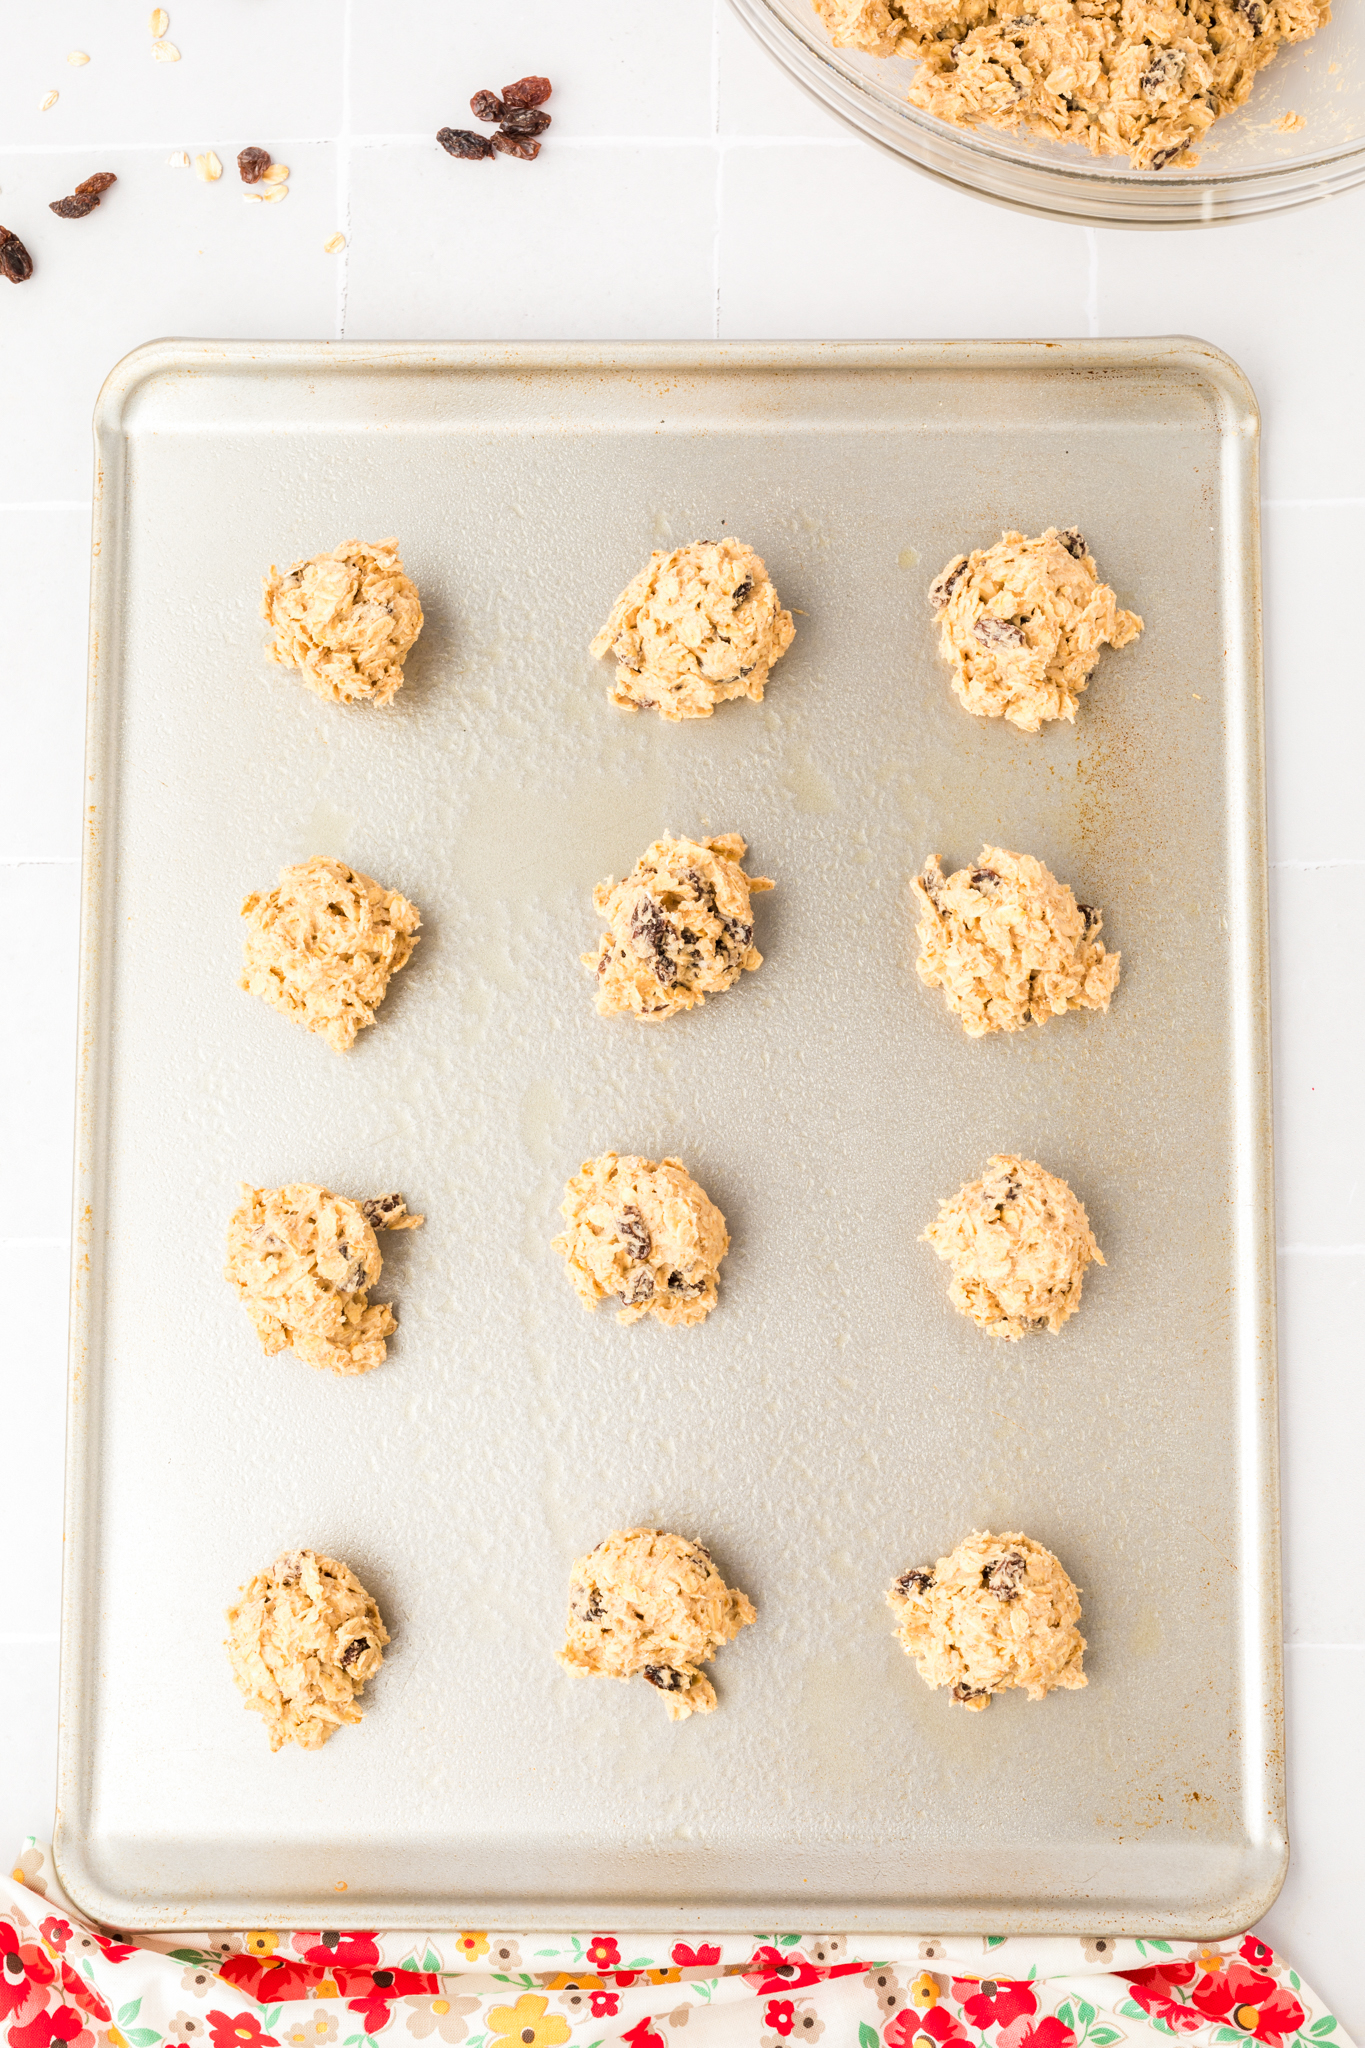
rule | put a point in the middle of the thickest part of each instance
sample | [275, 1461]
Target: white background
[686, 190]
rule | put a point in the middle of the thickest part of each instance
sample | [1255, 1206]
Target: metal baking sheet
[834, 1420]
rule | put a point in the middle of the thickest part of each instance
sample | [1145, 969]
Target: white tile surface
[686, 188]
[482, 247]
[42, 685]
[1322, 1429]
[1319, 1160]
[414, 66]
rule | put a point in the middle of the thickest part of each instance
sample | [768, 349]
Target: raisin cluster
[521, 117]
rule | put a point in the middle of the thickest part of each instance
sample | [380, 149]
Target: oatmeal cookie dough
[679, 928]
[648, 1601]
[645, 1233]
[999, 1611]
[1145, 79]
[1008, 943]
[305, 1636]
[1018, 1242]
[323, 944]
[1023, 623]
[696, 626]
[345, 620]
[303, 1261]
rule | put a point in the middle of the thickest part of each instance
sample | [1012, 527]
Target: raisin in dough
[345, 620]
[694, 627]
[1023, 623]
[323, 944]
[998, 1611]
[305, 1636]
[648, 1601]
[1145, 79]
[646, 1234]
[679, 928]
[1018, 1242]
[302, 1261]
[1008, 943]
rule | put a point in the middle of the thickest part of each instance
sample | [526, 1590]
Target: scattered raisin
[963, 1693]
[666, 1678]
[486, 106]
[993, 632]
[101, 182]
[289, 1569]
[640, 1288]
[464, 142]
[15, 262]
[75, 208]
[984, 878]
[917, 1580]
[633, 1232]
[1165, 70]
[1255, 12]
[942, 587]
[1092, 918]
[528, 92]
[253, 162]
[591, 1609]
[1073, 540]
[380, 1209]
[353, 1652]
[516, 145]
[1005, 1576]
[1165, 156]
[742, 590]
[739, 936]
[525, 121]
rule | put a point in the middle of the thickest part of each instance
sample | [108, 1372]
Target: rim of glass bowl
[1083, 194]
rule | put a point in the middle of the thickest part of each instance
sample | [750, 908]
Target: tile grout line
[40, 860]
[411, 139]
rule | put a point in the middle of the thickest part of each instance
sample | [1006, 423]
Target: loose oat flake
[333, 244]
[158, 22]
[78, 57]
[50, 101]
[208, 166]
[179, 160]
[273, 173]
[164, 52]
[276, 192]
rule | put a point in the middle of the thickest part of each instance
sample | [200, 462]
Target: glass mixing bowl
[1247, 167]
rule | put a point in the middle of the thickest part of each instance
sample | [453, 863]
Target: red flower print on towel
[602, 1952]
[769, 1970]
[375, 2009]
[25, 1974]
[84, 1995]
[643, 2035]
[994, 2002]
[695, 1958]
[331, 1947]
[1048, 2033]
[238, 2030]
[910, 2024]
[64, 2024]
[1250, 2001]
[605, 2004]
[780, 2015]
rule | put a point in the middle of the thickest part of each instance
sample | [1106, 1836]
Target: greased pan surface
[834, 1421]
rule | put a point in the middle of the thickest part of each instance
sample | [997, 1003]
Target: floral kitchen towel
[67, 1984]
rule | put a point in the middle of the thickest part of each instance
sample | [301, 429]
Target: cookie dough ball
[323, 944]
[1018, 1242]
[345, 620]
[694, 627]
[645, 1233]
[1008, 943]
[679, 928]
[997, 1611]
[648, 1601]
[302, 1261]
[1023, 623]
[305, 1637]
